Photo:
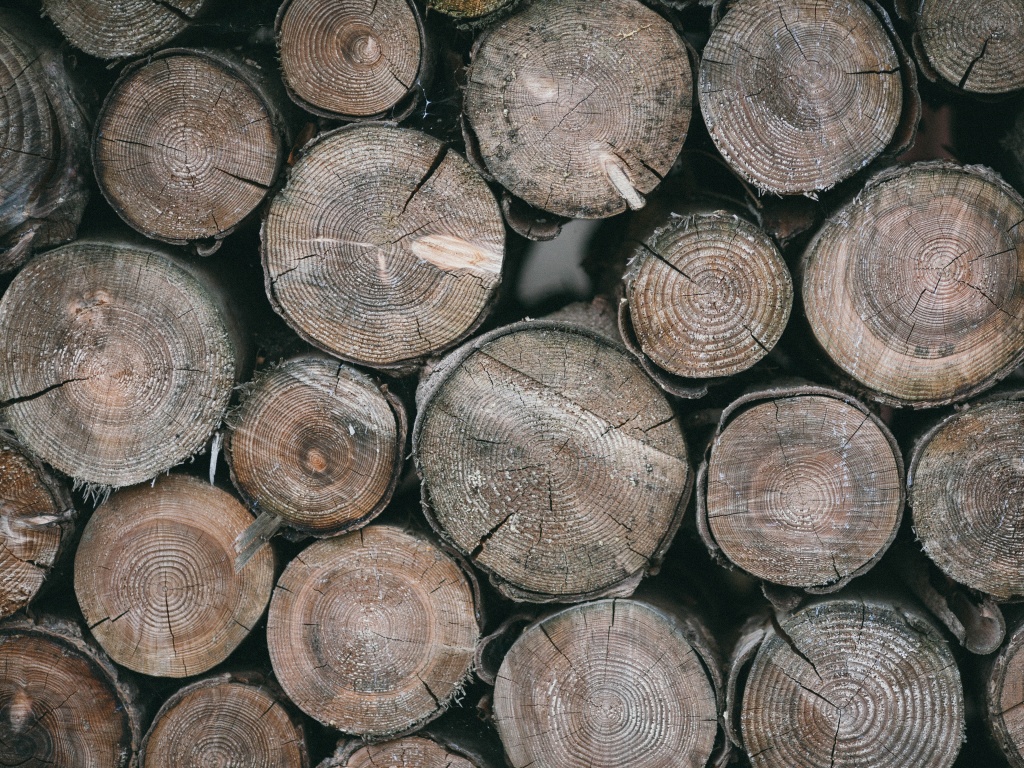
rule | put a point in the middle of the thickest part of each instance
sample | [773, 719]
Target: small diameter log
[915, 288]
[155, 577]
[116, 361]
[607, 684]
[373, 632]
[384, 246]
[707, 295]
[353, 59]
[974, 45]
[1004, 698]
[800, 95]
[966, 485]
[551, 460]
[410, 752]
[62, 703]
[225, 720]
[118, 29]
[36, 521]
[853, 682]
[471, 10]
[44, 158]
[187, 144]
[577, 113]
[319, 444]
[803, 487]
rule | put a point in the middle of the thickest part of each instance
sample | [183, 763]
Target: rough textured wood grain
[470, 9]
[62, 703]
[606, 684]
[551, 461]
[708, 295]
[803, 487]
[155, 577]
[187, 144]
[966, 480]
[225, 720]
[410, 752]
[318, 443]
[44, 140]
[1004, 698]
[853, 682]
[36, 521]
[373, 632]
[118, 29]
[800, 94]
[383, 247]
[354, 58]
[915, 290]
[124, 370]
[578, 113]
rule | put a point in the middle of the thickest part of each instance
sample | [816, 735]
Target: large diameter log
[45, 150]
[156, 582]
[62, 703]
[864, 683]
[800, 95]
[916, 288]
[965, 483]
[353, 59]
[708, 295]
[577, 113]
[551, 460]
[36, 522]
[187, 144]
[118, 29]
[319, 444]
[227, 720]
[1004, 698]
[606, 684]
[374, 632]
[116, 362]
[384, 246]
[803, 487]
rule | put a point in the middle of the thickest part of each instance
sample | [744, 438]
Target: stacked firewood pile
[294, 473]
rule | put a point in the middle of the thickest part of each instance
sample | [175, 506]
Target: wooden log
[551, 460]
[117, 361]
[974, 46]
[44, 134]
[62, 703]
[120, 29]
[800, 96]
[188, 142]
[374, 632]
[577, 113]
[965, 480]
[472, 11]
[384, 246]
[606, 684]
[915, 289]
[1004, 696]
[803, 487]
[409, 752]
[854, 682]
[228, 719]
[36, 524]
[319, 444]
[354, 59]
[155, 577]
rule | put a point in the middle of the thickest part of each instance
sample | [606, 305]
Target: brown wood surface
[1004, 697]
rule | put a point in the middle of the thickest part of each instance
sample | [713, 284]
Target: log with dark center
[124, 370]
[1004, 698]
[915, 289]
[577, 113]
[800, 94]
[156, 582]
[374, 632]
[384, 247]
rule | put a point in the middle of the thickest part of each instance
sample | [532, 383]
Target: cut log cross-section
[466, 10]
[1004, 698]
[410, 752]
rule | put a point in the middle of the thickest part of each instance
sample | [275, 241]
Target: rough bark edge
[993, 692]
[433, 380]
[784, 390]
[401, 439]
[61, 199]
[265, 89]
[408, 101]
[251, 679]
